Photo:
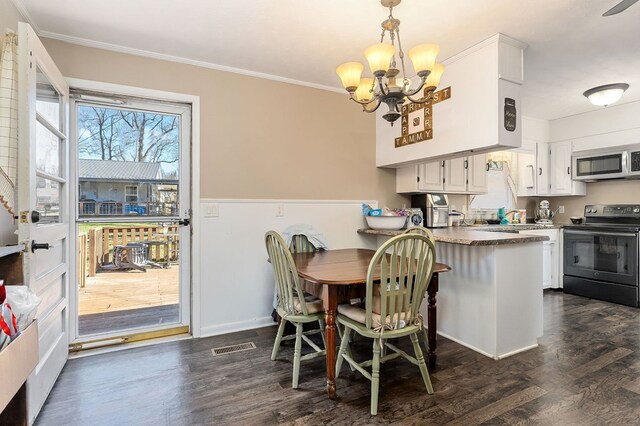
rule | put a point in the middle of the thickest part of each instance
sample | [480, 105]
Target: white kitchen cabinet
[526, 174]
[426, 177]
[407, 179]
[464, 175]
[477, 169]
[542, 168]
[551, 166]
[560, 165]
[455, 175]
[551, 257]
[431, 176]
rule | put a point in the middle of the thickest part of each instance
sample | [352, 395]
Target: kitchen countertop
[471, 235]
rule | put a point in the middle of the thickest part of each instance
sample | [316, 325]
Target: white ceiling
[571, 47]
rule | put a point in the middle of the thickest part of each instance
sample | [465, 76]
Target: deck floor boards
[586, 371]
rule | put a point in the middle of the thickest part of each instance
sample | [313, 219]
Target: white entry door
[43, 200]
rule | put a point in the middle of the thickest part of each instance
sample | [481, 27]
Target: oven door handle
[608, 234]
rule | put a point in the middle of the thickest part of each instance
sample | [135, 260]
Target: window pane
[128, 162]
[47, 100]
[48, 200]
[47, 151]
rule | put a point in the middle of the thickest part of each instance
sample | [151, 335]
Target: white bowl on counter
[386, 222]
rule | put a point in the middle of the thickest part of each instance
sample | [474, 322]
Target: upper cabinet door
[526, 174]
[542, 164]
[455, 175]
[431, 176]
[477, 174]
[560, 165]
[407, 179]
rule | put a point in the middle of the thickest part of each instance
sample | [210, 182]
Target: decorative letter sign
[416, 119]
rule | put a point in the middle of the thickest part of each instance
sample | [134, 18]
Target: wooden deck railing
[96, 247]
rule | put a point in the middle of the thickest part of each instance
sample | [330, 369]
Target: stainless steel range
[601, 256]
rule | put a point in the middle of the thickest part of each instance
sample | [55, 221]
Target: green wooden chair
[391, 308]
[292, 304]
[421, 230]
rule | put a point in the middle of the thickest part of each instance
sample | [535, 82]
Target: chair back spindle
[405, 264]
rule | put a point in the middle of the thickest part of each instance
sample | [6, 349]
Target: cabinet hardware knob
[569, 170]
[539, 171]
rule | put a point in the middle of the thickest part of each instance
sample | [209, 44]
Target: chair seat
[359, 314]
[314, 305]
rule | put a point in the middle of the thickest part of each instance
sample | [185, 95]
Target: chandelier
[385, 87]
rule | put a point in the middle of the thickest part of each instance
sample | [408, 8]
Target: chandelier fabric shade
[390, 84]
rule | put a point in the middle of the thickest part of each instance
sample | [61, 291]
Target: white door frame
[122, 90]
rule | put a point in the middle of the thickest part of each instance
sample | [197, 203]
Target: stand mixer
[544, 213]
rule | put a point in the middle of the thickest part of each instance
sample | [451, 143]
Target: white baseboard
[216, 330]
[496, 357]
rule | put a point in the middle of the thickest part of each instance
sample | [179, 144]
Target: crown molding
[171, 58]
[22, 8]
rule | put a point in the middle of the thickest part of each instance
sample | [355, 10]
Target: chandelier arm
[427, 98]
[375, 98]
[365, 109]
[413, 92]
[382, 85]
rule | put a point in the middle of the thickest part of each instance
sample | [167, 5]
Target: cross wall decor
[417, 126]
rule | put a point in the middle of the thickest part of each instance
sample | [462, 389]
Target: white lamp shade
[434, 78]
[605, 96]
[379, 57]
[423, 57]
[350, 73]
[363, 92]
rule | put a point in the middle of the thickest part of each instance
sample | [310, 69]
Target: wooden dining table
[338, 276]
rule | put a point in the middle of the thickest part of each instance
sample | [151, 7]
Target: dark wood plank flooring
[586, 371]
[129, 318]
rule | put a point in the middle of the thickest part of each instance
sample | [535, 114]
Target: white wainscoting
[236, 284]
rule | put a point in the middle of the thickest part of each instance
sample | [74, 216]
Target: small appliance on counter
[544, 213]
[416, 218]
[435, 209]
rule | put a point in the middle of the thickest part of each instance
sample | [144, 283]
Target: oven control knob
[595, 210]
[588, 210]
[636, 210]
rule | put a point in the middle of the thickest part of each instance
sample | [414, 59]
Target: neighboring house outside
[110, 188]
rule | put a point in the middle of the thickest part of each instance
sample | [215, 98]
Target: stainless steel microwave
[607, 163]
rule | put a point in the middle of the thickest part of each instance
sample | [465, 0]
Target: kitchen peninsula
[491, 300]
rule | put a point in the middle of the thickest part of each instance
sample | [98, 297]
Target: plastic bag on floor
[24, 303]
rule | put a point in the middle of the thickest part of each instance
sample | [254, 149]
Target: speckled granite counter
[471, 236]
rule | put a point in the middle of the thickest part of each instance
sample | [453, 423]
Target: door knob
[184, 222]
[39, 246]
[35, 216]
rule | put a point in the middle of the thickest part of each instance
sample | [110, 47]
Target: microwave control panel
[635, 161]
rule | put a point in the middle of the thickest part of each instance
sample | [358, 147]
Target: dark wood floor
[586, 371]
[129, 318]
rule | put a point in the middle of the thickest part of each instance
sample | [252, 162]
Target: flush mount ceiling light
[607, 94]
[385, 87]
